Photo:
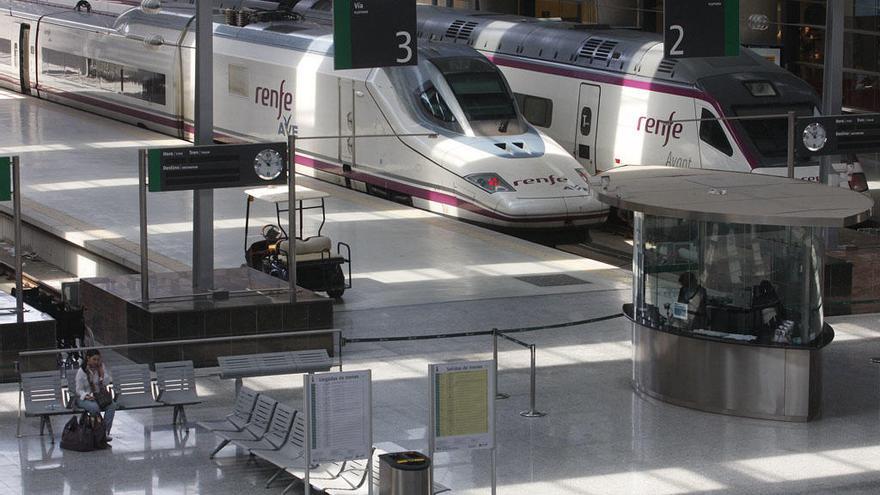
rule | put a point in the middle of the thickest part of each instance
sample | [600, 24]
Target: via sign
[374, 33]
[701, 28]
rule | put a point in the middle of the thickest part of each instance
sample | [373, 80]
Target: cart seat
[311, 245]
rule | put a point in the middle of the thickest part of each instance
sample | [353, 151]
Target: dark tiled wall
[139, 325]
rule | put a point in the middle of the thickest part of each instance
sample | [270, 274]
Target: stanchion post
[498, 395]
[142, 207]
[307, 398]
[532, 413]
[792, 123]
[291, 215]
[19, 244]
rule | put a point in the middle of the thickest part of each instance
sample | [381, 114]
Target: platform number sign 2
[701, 28]
[374, 33]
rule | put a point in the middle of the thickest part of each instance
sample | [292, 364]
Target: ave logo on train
[281, 101]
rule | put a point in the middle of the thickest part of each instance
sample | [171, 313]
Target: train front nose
[544, 188]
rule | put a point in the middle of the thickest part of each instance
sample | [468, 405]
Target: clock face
[268, 164]
[815, 137]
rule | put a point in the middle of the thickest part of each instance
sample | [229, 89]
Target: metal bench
[43, 398]
[291, 454]
[279, 429]
[176, 384]
[259, 424]
[245, 401]
[133, 387]
[273, 363]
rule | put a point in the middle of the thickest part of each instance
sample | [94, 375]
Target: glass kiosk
[727, 279]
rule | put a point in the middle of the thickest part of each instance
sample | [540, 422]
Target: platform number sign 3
[701, 28]
[374, 33]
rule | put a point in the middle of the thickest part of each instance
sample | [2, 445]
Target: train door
[346, 123]
[24, 66]
[585, 136]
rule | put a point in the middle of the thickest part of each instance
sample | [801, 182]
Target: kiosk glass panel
[745, 283]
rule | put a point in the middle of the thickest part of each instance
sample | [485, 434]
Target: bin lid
[406, 461]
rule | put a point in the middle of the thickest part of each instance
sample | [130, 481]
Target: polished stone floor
[598, 436]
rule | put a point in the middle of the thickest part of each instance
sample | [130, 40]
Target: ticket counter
[726, 309]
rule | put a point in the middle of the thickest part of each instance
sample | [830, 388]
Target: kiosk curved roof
[732, 197]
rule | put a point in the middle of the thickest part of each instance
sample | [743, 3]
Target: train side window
[104, 75]
[143, 85]
[239, 80]
[538, 111]
[5, 52]
[712, 134]
[62, 64]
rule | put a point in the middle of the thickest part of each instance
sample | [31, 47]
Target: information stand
[462, 412]
[338, 410]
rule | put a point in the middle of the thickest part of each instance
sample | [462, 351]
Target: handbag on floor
[79, 434]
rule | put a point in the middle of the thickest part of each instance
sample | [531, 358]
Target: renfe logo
[274, 98]
[547, 180]
[659, 127]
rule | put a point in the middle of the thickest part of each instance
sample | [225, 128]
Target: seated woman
[694, 295]
[91, 378]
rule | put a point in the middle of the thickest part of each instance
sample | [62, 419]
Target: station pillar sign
[374, 33]
[5, 178]
[701, 28]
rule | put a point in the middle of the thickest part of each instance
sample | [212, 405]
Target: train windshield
[770, 136]
[480, 91]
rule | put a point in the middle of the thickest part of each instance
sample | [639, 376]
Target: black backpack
[84, 434]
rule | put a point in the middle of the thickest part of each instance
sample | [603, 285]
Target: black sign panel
[374, 33]
[817, 136]
[219, 166]
[701, 28]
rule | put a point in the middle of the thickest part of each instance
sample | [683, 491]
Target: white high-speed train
[609, 97]
[274, 76]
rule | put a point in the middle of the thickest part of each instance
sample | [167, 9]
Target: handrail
[337, 343]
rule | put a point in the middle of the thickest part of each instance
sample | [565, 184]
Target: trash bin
[404, 473]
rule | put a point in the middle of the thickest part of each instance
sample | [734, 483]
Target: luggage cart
[318, 268]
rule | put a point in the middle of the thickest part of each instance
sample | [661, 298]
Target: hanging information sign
[374, 33]
[217, 166]
[463, 405]
[701, 28]
[340, 415]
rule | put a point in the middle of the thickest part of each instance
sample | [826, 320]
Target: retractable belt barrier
[477, 333]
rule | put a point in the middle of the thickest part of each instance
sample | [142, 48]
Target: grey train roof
[623, 51]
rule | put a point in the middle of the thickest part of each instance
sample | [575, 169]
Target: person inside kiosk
[734, 282]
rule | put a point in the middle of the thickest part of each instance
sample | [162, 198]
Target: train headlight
[491, 183]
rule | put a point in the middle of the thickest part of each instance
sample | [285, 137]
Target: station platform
[416, 273]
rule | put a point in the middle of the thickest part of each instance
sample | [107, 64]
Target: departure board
[216, 166]
[340, 416]
[463, 405]
[857, 133]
